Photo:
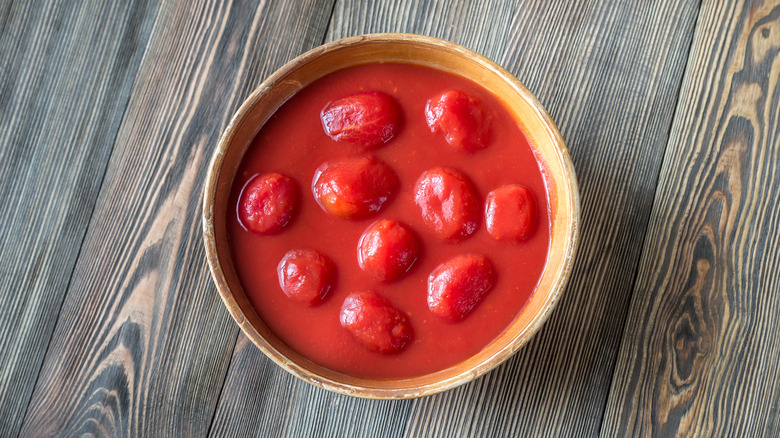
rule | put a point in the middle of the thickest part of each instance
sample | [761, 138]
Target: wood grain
[609, 73]
[110, 325]
[143, 341]
[260, 399]
[65, 75]
[701, 352]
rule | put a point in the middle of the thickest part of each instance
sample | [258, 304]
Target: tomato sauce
[293, 143]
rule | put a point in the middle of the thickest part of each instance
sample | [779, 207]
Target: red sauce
[294, 143]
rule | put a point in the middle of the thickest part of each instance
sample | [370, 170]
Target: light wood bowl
[298, 73]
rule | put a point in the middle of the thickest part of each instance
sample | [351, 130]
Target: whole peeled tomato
[387, 250]
[306, 275]
[368, 119]
[376, 323]
[267, 203]
[448, 203]
[460, 118]
[354, 188]
[510, 213]
[458, 285]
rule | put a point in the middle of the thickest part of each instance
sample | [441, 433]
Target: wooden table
[110, 323]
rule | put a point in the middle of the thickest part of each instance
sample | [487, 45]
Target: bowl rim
[219, 277]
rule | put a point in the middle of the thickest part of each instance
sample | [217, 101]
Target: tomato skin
[387, 250]
[511, 213]
[448, 203]
[306, 275]
[368, 119]
[460, 118]
[376, 323]
[267, 203]
[354, 188]
[458, 285]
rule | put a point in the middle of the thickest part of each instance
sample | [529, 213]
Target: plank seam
[70, 279]
[650, 213]
[330, 20]
[222, 387]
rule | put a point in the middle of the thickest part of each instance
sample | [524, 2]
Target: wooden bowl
[303, 70]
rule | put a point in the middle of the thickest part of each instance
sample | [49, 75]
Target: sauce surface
[294, 143]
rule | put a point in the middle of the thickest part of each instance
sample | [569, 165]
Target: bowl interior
[534, 121]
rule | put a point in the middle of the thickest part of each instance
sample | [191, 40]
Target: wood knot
[690, 338]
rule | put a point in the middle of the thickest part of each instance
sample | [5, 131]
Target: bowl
[542, 134]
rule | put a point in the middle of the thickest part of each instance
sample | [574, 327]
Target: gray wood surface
[701, 349]
[143, 341]
[66, 73]
[110, 324]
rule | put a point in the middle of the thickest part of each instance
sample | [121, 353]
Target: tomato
[368, 119]
[458, 285]
[267, 203]
[387, 250]
[354, 188]
[306, 275]
[376, 323]
[510, 213]
[460, 118]
[448, 202]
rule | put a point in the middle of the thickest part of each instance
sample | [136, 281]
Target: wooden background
[110, 324]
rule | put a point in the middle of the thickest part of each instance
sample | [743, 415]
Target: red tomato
[458, 285]
[376, 323]
[387, 250]
[510, 213]
[448, 202]
[460, 118]
[267, 203]
[369, 118]
[306, 275]
[354, 188]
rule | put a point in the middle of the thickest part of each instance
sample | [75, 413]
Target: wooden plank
[66, 69]
[609, 73]
[143, 341]
[701, 353]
